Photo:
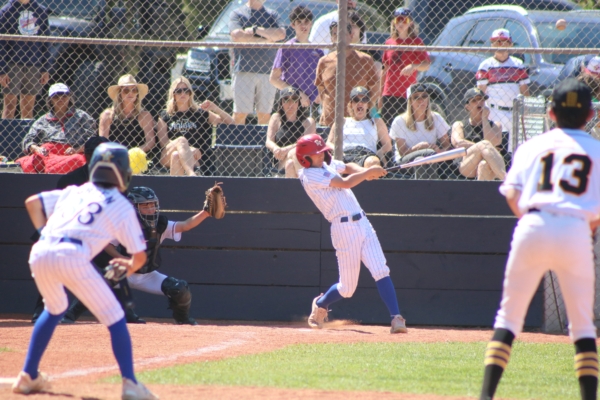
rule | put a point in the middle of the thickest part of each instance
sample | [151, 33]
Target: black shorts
[358, 155]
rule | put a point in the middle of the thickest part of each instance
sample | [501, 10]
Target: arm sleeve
[170, 233]
[441, 126]
[317, 177]
[235, 21]
[89, 129]
[339, 166]
[33, 136]
[482, 74]
[278, 63]
[398, 128]
[129, 233]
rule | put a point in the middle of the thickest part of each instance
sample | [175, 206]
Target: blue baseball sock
[40, 337]
[121, 345]
[330, 297]
[388, 295]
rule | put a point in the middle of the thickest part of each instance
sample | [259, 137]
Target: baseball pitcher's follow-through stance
[352, 235]
[76, 224]
[553, 188]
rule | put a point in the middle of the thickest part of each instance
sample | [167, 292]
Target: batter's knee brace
[180, 297]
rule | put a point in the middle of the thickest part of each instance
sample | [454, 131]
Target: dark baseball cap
[572, 95]
[289, 92]
[92, 143]
[359, 91]
[474, 92]
[334, 25]
[417, 88]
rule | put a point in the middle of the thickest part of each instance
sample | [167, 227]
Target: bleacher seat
[12, 132]
[240, 150]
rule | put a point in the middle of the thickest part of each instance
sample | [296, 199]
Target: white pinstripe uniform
[558, 174]
[82, 220]
[353, 240]
[152, 281]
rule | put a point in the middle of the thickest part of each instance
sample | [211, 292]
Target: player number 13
[581, 174]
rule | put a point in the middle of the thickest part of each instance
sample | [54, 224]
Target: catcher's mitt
[215, 201]
[115, 273]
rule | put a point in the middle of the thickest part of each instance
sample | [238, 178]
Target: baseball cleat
[398, 325]
[25, 385]
[186, 321]
[317, 315]
[136, 391]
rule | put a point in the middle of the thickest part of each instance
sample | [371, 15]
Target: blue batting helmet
[110, 165]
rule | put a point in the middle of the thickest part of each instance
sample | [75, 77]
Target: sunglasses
[401, 19]
[290, 99]
[360, 99]
[420, 97]
[127, 90]
[182, 91]
[333, 29]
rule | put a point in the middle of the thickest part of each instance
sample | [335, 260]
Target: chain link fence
[225, 88]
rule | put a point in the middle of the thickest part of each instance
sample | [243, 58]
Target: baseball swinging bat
[436, 158]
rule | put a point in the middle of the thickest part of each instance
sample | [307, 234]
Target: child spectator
[23, 65]
[502, 78]
[297, 67]
[400, 68]
[480, 136]
[254, 23]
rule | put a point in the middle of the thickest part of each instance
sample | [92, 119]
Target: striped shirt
[334, 203]
[502, 79]
[93, 215]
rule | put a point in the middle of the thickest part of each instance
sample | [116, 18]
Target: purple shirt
[299, 67]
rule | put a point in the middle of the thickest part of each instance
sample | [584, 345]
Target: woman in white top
[361, 133]
[419, 132]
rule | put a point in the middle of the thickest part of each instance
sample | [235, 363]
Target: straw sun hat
[124, 81]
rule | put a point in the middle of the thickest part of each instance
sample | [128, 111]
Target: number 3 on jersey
[580, 164]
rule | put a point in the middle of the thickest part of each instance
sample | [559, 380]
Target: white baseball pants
[543, 241]
[149, 283]
[55, 266]
[356, 241]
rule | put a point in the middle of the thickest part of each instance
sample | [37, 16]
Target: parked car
[209, 68]
[454, 72]
[433, 15]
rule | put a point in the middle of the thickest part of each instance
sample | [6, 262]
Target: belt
[355, 217]
[66, 239]
[501, 108]
[534, 210]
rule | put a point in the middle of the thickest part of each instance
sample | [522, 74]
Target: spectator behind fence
[400, 68]
[362, 134]
[24, 66]
[481, 137]
[254, 23]
[321, 30]
[590, 75]
[185, 128]
[126, 122]
[297, 67]
[419, 132]
[55, 141]
[360, 71]
[502, 78]
[288, 124]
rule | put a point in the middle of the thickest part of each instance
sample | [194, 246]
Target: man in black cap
[553, 187]
[481, 137]
[78, 177]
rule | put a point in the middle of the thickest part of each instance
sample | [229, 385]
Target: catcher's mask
[144, 195]
[309, 145]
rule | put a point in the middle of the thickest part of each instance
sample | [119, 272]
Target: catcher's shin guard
[180, 299]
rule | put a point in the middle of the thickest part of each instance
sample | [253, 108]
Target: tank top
[289, 132]
[473, 133]
[192, 125]
[360, 133]
[127, 132]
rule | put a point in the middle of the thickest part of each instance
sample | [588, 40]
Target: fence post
[340, 78]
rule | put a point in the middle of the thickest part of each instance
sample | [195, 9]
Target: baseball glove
[215, 201]
[115, 273]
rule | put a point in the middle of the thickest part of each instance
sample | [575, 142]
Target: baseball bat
[436, 158]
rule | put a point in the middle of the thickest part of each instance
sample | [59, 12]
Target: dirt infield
[80, 354]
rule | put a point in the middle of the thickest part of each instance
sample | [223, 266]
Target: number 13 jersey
[94, 215]
[558, 172]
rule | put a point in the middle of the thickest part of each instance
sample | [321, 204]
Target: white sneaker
[136, 391]
[25, 385]
[398, 325]
[317, 315]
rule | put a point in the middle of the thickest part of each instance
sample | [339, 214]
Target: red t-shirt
[395, 83]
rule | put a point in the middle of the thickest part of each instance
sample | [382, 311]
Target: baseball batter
[502, 78]
[76, 224]
[353, 237]
[553, 188]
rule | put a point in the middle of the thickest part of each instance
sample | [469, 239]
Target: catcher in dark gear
[156, 229]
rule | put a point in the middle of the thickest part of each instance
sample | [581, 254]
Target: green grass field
[5, 350]
[541, 371]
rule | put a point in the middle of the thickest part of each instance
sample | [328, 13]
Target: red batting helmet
[309, 145]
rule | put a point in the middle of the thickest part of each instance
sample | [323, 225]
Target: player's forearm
[138, 260]
[191, 222]
[353, 180]
[35, 209]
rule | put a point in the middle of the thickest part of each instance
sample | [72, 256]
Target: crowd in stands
[389, 117]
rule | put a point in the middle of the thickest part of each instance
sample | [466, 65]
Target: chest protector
[152, 236]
